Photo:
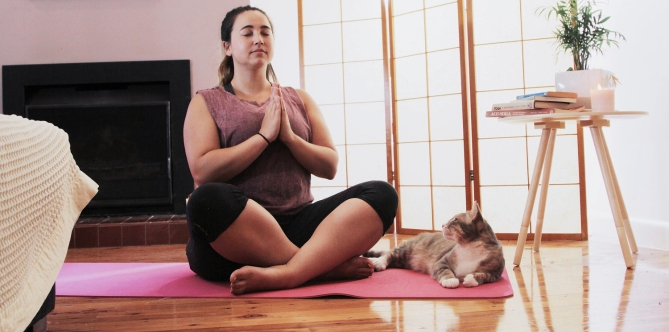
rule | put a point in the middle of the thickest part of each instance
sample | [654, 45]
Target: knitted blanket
[42, 193]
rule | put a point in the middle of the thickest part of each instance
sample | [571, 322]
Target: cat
[466, 250]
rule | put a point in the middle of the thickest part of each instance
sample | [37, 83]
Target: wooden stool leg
[604, 164]
[621, 202]
[531, 195]
[544, 189]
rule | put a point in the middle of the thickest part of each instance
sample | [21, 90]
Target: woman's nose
[259, 40]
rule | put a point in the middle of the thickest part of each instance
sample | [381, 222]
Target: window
[404, 86]
[343, 63]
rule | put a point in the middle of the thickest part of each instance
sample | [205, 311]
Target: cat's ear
[476, 217]
[475, 211]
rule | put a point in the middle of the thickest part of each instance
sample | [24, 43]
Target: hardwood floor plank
[570, 286]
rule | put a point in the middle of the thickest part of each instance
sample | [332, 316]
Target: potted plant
[581, 33]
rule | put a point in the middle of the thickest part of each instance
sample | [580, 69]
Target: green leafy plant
[580, 32]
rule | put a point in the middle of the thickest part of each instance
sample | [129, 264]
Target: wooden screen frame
[466, 121]
[475, 167]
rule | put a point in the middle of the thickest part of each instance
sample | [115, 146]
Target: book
[556, 99]
[559, 94]
[524, 104]
[501, 114]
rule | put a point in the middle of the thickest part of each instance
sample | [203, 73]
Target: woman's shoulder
[299, 94]
[216, 96]
[217, 90]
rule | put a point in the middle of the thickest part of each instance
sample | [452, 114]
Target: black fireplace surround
[125, 124]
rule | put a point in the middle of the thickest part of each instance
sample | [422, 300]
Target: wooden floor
[569, 286]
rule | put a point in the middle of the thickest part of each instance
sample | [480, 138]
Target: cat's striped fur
[466, 250]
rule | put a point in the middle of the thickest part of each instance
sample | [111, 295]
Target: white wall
[65, 31]
[638, 146]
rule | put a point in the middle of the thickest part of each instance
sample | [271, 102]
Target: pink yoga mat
[177, 280]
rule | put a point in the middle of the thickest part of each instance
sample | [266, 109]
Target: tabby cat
[466, 250]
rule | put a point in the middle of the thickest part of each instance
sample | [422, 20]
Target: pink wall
[63, 31]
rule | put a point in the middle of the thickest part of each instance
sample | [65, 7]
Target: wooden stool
[549, 124]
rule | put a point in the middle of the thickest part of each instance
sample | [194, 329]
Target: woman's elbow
[198, 179]
[200, 175]
[330, 171]
[330, 174]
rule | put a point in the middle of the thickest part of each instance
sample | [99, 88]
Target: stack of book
[537, 103]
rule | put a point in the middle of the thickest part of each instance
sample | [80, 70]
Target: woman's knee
[382, 190]
[382, 197]
[212, 208]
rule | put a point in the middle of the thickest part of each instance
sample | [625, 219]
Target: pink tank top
[275, 179]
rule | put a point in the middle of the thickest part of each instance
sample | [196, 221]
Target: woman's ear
[226, 48]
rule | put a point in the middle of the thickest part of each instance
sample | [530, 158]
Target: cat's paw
[380, 264]
[470, 281]
[450, 282]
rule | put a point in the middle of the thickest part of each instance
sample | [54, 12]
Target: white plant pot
[582, 81]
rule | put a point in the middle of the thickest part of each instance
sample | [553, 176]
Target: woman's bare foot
[252, 279]
[354, 268]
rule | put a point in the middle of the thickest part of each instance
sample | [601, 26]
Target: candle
[602, 100]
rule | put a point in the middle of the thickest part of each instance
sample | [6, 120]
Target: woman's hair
[226, 71]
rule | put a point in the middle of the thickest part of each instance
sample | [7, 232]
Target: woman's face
[251, 40]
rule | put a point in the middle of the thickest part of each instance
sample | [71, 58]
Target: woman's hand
[319, 155]
[271, 123]
[286, 134]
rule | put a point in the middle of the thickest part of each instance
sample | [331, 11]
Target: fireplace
[125, 123]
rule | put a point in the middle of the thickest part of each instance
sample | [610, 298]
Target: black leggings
[213, 207]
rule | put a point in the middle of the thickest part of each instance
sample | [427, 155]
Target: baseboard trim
[648, 233]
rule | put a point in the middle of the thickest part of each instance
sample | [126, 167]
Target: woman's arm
[320, 157]
[206, 160]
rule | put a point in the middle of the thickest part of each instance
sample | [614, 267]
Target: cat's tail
[374, 253]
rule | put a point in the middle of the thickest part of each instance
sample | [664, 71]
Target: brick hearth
[120, 231]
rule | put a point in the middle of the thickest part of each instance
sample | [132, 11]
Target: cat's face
[464, 226]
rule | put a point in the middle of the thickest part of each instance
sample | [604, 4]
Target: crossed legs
[234, 238]
[333, 251]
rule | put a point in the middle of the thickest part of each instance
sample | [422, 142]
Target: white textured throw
[42, 193]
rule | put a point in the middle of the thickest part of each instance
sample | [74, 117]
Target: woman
[252, 147]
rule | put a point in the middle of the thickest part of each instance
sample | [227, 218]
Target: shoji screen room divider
[404, 86]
